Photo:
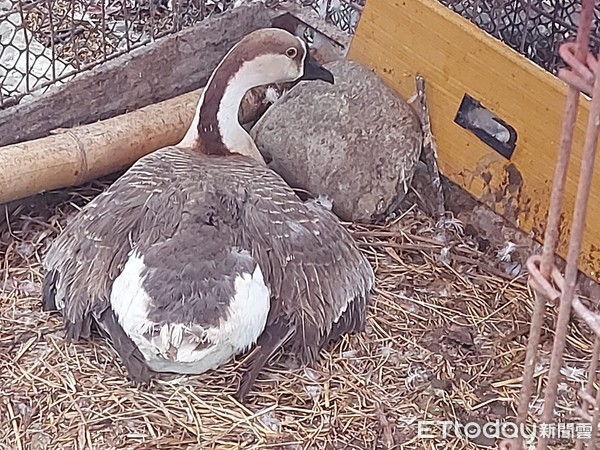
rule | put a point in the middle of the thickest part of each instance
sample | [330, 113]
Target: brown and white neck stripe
[256, 60]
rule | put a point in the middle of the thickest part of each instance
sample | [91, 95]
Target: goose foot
[273, 338]
[131, 357]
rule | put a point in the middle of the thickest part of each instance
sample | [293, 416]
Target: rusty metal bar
[538, 276]
[553, 292]
[589, 388]
[578, 227]
[566, 142]
[591, 319]
[584, 413]
[595, 420]
[552, 228]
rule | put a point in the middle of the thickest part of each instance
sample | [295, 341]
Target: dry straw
[445, 340]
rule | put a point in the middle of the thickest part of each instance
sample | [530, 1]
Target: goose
[200, 252]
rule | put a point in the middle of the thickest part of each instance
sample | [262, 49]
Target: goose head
[265, 56]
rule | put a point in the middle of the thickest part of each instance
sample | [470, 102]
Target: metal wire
[534, 28]
[44, 42]
[546, 279]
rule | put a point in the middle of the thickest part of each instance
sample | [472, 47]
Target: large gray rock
[355, 142]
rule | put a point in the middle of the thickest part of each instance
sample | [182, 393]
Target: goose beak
[315, 71]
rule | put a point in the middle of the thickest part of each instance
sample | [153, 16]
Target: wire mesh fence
[48, 41]
[44, 42]
[534, 28]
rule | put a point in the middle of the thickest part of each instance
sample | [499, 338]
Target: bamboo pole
[74, 156]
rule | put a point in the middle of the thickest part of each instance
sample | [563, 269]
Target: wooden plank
[402, 38]
[171, 66]
[81, 154]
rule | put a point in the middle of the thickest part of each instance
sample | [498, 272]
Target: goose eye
[291, 52]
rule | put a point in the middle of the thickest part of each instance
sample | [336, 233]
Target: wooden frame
[114, 105]
[400, 38]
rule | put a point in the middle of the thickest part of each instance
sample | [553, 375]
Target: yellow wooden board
[402, 38]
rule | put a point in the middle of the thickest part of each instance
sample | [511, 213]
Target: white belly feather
[175, 347]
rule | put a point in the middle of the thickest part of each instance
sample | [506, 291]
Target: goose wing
[312, 265]
[156, 261]
[85, 259]
[314, 269]
[320, 282]
[81, 265]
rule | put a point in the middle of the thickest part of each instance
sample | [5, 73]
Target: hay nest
[445, 340]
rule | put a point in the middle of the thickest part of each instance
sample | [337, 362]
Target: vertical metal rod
[52, 44]
[152, 12]
[566, 142]
[578, 227]
[27, 43]
[128, 24]
[595, 419]
[178, 20]
[525, 28]
[74, 41]
[590, 382]
[552, 228]
[103, 25]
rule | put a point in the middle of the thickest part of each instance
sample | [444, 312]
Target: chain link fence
[534, 28]
[44, 42]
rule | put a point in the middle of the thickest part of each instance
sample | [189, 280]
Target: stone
[356, 142]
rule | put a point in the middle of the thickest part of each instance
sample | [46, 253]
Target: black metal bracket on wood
[488, 127]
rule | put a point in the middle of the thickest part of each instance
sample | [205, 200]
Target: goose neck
[216, 129]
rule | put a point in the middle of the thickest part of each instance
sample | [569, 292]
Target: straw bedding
[445, 339]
